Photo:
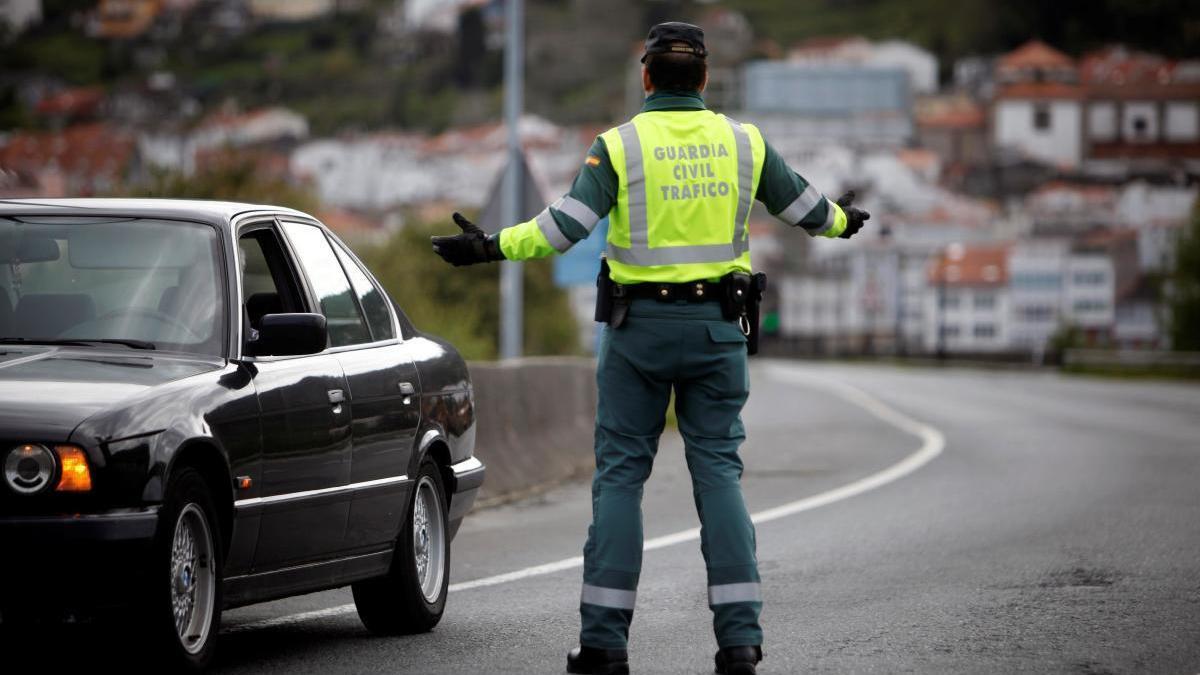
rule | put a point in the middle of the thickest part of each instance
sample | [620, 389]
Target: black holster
[741, 302]
[611, 303]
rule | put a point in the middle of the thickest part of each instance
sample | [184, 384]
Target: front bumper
[468, 478]
[96, 561]
[116, 525]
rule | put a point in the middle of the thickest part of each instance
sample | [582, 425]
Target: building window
[949, 301]
[950, 331]
[985, 330]
[1183, 122]
[1036, 313]
[1085, 306]
[1041, 116]
[1088, 278]
[1141, 122]
[1035, 281]
[985, 301]
[1102, 121]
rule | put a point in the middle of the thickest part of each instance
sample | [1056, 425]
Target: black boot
[738, 660]
[592, 661]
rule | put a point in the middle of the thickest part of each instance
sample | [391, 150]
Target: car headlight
[33, 468]
[29, 468]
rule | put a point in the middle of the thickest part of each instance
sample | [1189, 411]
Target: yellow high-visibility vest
[687, 181]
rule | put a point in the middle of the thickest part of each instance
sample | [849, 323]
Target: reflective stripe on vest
[640, 252]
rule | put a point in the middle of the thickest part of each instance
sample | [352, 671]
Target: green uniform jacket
[786, 194]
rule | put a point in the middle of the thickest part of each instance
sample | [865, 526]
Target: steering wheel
[150, 314]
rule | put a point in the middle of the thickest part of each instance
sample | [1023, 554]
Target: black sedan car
[206, 405]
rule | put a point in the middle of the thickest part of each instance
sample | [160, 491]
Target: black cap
[675, 36]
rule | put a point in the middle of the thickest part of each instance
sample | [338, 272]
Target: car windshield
[135, 282]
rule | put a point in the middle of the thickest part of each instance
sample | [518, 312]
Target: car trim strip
[307, 494]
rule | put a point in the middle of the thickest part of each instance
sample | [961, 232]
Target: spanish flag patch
[592, 161]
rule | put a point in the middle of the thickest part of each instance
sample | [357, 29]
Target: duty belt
[692, 291]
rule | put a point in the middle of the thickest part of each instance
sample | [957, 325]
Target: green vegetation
[1184, 285]
[239, 181]
[344, 73]
[462, 304]
[955, 28]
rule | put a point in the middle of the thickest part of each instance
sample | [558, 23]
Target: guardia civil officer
[677, 293]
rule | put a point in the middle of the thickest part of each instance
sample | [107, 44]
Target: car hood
[45, 392]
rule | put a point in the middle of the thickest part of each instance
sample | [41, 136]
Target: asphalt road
[956, 521]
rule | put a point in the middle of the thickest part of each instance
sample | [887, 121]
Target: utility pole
[512, 292]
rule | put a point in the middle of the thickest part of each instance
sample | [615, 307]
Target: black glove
[855, 217]
[470, 247]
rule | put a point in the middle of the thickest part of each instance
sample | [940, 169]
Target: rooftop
[1035, 54]
[972, 265]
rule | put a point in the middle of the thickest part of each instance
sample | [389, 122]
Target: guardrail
[535, 422]
[1179, 364]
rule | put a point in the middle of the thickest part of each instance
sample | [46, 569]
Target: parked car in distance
[205, 405]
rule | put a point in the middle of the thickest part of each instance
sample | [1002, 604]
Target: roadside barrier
[534, 423]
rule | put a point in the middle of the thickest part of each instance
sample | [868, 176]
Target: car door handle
[336, 398]
[407, 390]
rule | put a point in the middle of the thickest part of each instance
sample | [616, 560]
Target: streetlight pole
[511, 281]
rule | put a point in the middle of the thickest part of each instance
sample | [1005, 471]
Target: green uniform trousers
[691, 348]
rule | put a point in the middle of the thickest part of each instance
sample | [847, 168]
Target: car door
[384, 391]
[303, 500]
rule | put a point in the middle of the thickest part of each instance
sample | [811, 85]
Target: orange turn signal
[76, 476]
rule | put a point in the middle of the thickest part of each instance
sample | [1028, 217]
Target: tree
[462, 304]
[237, 179]
[1185, 289]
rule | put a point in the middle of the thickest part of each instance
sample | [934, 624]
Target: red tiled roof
[976, 265]
[1116, 72]
[75, 102]
[957, 112]
[1035, 54]
[1040, 90]
[1119, 66]
[91, 150]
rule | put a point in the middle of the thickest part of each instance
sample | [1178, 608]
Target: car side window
[268, 284]
[369, 297]
[338, 301]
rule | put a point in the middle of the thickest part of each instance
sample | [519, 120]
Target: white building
[1038, 111]
[967, 301]
[1143, 112]
[920, 65]
[383, 170]
[1036, 270]
[17, 16]
[291, 10]
[1089, 292]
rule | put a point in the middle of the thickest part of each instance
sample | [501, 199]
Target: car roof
[214, 212]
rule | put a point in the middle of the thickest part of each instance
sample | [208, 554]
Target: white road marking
[932, 444]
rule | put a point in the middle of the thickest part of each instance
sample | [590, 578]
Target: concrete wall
[535, 419]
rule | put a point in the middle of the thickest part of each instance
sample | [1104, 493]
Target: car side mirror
[290, 335]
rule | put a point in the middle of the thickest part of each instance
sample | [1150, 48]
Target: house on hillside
[967, 300]
[1038, 107]
[1143, 113]
[18, 16]
[79, 161]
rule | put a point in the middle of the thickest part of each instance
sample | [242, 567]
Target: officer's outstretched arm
[792, 199]
[557, 228]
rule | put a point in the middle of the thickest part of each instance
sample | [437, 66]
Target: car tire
[181, 601]
[412, 596]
